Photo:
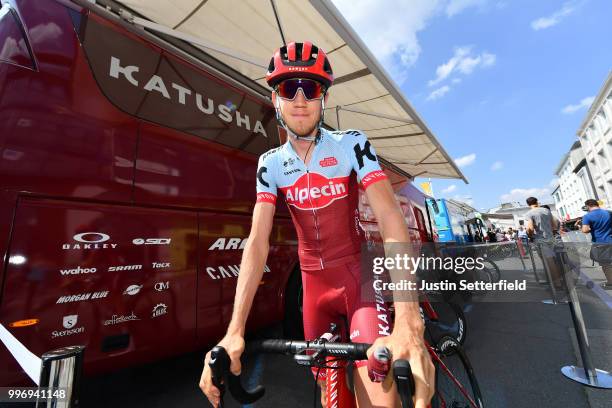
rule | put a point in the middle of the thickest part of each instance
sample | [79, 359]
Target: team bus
[127, 183]
[450, 220]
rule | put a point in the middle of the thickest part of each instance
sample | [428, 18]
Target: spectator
[510, 234]
[522, 234]
[491, 235]
[540, 227]
[557, 231]
[499, 236]
[598, 223]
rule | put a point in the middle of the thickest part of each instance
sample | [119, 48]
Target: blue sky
[503, 84]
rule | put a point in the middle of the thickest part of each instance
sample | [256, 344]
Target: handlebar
[221, 375]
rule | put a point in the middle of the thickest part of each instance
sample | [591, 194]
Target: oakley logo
[81, 237]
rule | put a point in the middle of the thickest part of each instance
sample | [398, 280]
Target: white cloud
[456, 80]
[464, 199]
[521, 194]
[553, 183]
[438, 93]
[465, 160]
[583, 104]
[457, 6]
[449, 189]
[498, 165]
[555, 18]
[463, 61]
[390, 29]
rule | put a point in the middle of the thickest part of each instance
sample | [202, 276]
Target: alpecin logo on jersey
[318, 193]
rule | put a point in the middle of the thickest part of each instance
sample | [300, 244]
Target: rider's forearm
[251, 272]
[394, 231]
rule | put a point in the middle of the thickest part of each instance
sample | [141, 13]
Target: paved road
[517, 349]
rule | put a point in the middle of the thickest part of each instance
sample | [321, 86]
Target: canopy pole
[278, 22]
[380, 115]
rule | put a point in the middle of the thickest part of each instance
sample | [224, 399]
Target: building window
[14, 47]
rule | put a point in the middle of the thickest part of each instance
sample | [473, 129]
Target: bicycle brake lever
[402, 375]
[221, 375]
[219, 366]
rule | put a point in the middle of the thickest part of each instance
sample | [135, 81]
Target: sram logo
[313, 190]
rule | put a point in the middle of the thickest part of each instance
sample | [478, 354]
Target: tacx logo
[318, 192]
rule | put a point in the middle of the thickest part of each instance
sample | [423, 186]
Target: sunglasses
[311, 89]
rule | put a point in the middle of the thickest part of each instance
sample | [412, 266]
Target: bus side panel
[180, 169]
[119, 280]
[59, 134]
[221, 245]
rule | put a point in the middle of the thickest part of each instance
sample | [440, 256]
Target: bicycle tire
[451, 321]
[456, 383]
[494, 270]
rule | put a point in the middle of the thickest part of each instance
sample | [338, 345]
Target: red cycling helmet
[302, 60]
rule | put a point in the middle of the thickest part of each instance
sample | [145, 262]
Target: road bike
[456, 384]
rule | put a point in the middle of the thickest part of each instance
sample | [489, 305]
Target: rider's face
[300, 114]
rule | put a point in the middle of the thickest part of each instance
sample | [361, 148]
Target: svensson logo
[68, 322]
[318, 192]
[90, 240]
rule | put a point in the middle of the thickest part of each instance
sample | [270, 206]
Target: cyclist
[313, 170]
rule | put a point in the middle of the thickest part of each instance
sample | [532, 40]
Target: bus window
[422, 225]
[14, 47]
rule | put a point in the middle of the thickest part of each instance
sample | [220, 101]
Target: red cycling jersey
[322, 198]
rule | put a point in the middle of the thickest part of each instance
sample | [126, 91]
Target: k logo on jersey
[318, 192]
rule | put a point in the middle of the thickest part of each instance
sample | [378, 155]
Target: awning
[243, 34]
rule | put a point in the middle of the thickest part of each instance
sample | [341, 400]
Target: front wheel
[456, 383]
[450, 320]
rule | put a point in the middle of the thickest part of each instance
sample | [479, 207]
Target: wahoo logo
[313, 191]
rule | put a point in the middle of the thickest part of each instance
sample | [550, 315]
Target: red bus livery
[127, 183]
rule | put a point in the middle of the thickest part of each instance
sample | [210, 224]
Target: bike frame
[338, 394]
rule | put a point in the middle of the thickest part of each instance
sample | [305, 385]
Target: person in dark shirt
[598, 223]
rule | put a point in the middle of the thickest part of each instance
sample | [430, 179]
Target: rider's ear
[273, 98]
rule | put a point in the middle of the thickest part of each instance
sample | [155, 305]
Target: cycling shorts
[336, 295]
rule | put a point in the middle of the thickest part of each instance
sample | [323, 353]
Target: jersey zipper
[314, 214]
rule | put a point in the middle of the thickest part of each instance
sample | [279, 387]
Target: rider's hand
[234, 345]
[409, 345]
